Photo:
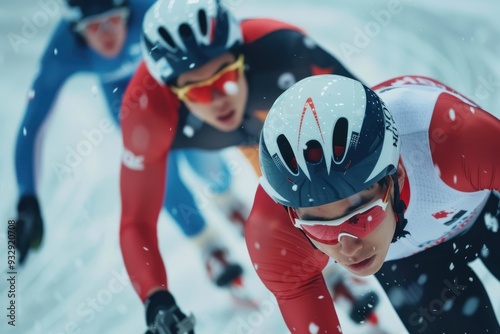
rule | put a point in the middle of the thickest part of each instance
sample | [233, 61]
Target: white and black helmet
[181, 35]
[326, 138]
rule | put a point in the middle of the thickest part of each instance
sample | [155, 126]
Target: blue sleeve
[63, 56]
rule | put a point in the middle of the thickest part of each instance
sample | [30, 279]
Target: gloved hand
[163, 316]
[29, 226]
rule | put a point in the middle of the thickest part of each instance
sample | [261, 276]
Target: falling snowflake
[188, 131]
[451, 266]
[471, 306]
[231, 88]
[448, 304]
[145, 248]
[313, 328]
[309, 43]
[422, 279]
[485, 251]
[257, 245]
[438, 171]
[143, 101]
[491, 222]
[452, 114]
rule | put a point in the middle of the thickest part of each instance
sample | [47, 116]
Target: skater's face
[105, 33]
[360, 231]
[216, 92]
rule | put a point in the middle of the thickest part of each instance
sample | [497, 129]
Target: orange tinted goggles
[225, 81]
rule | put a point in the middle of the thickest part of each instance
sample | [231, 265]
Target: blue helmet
[181, 35]
[326, 138]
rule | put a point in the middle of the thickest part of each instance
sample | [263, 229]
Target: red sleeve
[465, 144]
[146, 119]
[290, 268]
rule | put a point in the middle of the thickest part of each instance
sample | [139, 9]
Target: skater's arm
[53, 72]
[146, 140]
[465, 144]
[290, 268]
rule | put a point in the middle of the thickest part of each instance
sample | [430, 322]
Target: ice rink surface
[77, 282]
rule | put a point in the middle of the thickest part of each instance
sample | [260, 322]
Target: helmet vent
[314, 152]
[339, 141]
[202, 22]
[287, 153]
[185, 31]
[166, 37]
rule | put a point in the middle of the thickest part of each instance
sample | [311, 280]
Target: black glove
[163, 316]
[29, 226]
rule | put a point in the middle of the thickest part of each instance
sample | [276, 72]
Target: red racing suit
[154, 122]
[451, 153]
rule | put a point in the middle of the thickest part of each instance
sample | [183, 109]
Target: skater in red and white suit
[207, 83]
[401, 188]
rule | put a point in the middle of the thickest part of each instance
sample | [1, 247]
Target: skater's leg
[180, 203]
[436, 292]
[211, 168]
[179, 200]
[216, 176]
[484, 235]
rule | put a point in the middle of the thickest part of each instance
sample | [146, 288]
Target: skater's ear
[401, 173]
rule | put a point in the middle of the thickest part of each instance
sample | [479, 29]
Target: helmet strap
[399, 209]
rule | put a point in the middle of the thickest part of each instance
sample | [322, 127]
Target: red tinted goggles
[224, 81]
[357, 224]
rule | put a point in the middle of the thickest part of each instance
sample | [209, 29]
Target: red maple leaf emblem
[441, 214]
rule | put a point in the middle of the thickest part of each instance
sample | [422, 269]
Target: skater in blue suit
[99, 37]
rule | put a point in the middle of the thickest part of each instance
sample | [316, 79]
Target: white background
[71, 285]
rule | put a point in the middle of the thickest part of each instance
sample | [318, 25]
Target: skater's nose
[350, 245]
